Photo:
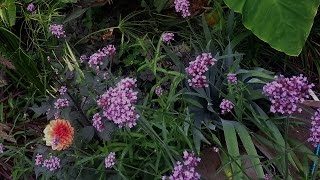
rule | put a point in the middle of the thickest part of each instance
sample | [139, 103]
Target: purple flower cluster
[52, 163]
[198, 68]
[97, 123]
[31, 8]
[110, 160]
[159, 90]
[182, 6]
[97, 58]
[167, 37]
[38, 160]
[286, 93]
[62, 90]
[57, 30]
[226, 106]
[118, 103]
[185, 170]
[83, 58]
[109, 50]
[268, 177]
[232, 78]
[315, 129]
[61, 103]
[1, 148]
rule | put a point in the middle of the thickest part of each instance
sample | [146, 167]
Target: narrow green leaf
[250, 148]
[233, 147]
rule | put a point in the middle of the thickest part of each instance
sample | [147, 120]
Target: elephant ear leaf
[284, 24]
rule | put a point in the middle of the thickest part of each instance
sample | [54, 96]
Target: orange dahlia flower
[58, 134]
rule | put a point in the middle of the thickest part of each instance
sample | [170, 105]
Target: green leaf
[160, 4]
[87, 133]
[233, 147]
[75, 14]
[8, 12]
[251, 150]
[284, 24]
[106, 134]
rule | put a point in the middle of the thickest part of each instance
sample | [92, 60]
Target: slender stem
[80, 110]
[314, 163]
[286, 148]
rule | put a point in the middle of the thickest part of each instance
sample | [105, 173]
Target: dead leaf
[311, 103]
[5, 135]
[7, 63]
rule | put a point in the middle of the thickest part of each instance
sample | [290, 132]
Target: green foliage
[284, 24]
[249, 138]
[8, 12]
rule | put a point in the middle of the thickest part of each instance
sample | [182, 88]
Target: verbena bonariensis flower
[110, 160]
[118, 103]
[58, 134]
[198, 68]
[159, 90]
[97, 123]
[226, 106]
[232, 78]
[83, 58]
[97, 58]
[127, 83]
[286, 93]
[167, 37]
[57, 30]
[38, 160]
[315, 129]
[61, 103]
[182, 6]
[185, 170]
[109, 50]
[31, 8]
[52, 163]
[62, 90]
[1, 148]
[268, 177]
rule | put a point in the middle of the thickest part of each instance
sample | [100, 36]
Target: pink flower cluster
[97, 58]
[38, 160]
[315, 129]
[110, 160]
[97, 123]
[159, 90]
[83, 58]
[268, 177]
[286, 93]
[61, 103]
[167, 37]
[62, 90]
[118, 103]
[57, 30]
[198, 68]
[182, 6]
[52, 163]
[185, 170]
[31, 8]
[232, 78]
[226, 106]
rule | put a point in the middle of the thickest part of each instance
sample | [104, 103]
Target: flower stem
[286, 148]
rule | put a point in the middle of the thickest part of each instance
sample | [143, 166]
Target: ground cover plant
[150, 89]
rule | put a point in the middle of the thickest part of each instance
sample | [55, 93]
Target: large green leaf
[284, 24]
